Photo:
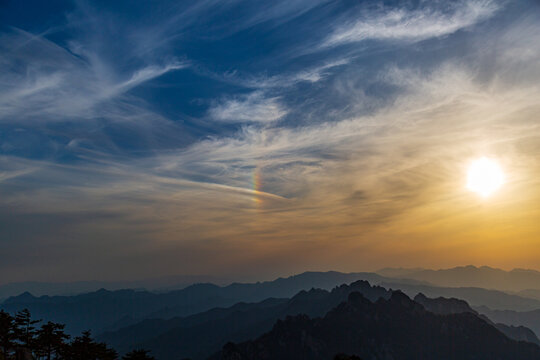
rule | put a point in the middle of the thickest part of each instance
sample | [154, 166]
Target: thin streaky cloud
[413, 25]
[57, 84]
[255, 107]
[213, 141]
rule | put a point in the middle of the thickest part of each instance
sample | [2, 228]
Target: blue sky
[144, 138]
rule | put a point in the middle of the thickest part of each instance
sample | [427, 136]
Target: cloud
[443, 116]
[252, 108]
[404, 159]
[145, 74]
[309, 75]
[342, 159]
[7, 172]
[413, 25]
[44, 82]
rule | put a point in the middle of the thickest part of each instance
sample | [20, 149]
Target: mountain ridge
[199, 333]
[394, 328]
[102, 309]
[475, 296]
[184, 337]
[487, 277]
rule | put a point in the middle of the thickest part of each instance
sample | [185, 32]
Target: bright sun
[484, 176]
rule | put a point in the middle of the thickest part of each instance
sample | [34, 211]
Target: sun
[484, 176]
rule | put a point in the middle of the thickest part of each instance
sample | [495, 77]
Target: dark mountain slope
[398, 328]
[147, 330]
[474, 296]
[200, 335]
[443, 306]
[530, 319]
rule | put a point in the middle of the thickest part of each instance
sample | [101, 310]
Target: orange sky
[346, 147]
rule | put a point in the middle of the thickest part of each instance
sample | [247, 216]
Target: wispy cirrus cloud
[346, 181]
[45, 82]
[255, 107]
[309, 74]
[434, 20]
[332, 153]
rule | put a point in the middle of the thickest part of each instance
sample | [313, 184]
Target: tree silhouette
[7, 334]
[85, 348]
[20, 340]
[139, 354]
[24, 328]
[50, 340]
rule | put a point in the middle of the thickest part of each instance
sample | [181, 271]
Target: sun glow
[484, 176]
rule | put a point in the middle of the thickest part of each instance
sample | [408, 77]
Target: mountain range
[475, 296]
[444, 306]
[159, 284]
[393, 328]
[530, 319]
[527, 282]
[107, 310]
[199, 335]
[195, 322]
[471, 276]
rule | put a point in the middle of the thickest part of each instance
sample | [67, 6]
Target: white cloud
[401, 159]
[47, 83]
[413, 25]
[433, 109]
[146, 74]
[336, 177]
[427, 125]
[311, 75]
[251, 108]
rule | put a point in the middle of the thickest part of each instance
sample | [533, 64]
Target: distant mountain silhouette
[530, 293]
[165, 283]
[198, 336]
[102, 308]
[107, 310]
[519, 333]
[529, 319]
[493, 299]
[471, 276]
[444, 306]
[397, 328]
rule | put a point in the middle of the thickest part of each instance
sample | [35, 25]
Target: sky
[251, 139]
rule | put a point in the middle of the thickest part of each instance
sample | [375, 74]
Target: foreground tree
[25, 329]
[7, 335]
[85, 348]
[21, 340]
[139, 354]
[51, 341]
